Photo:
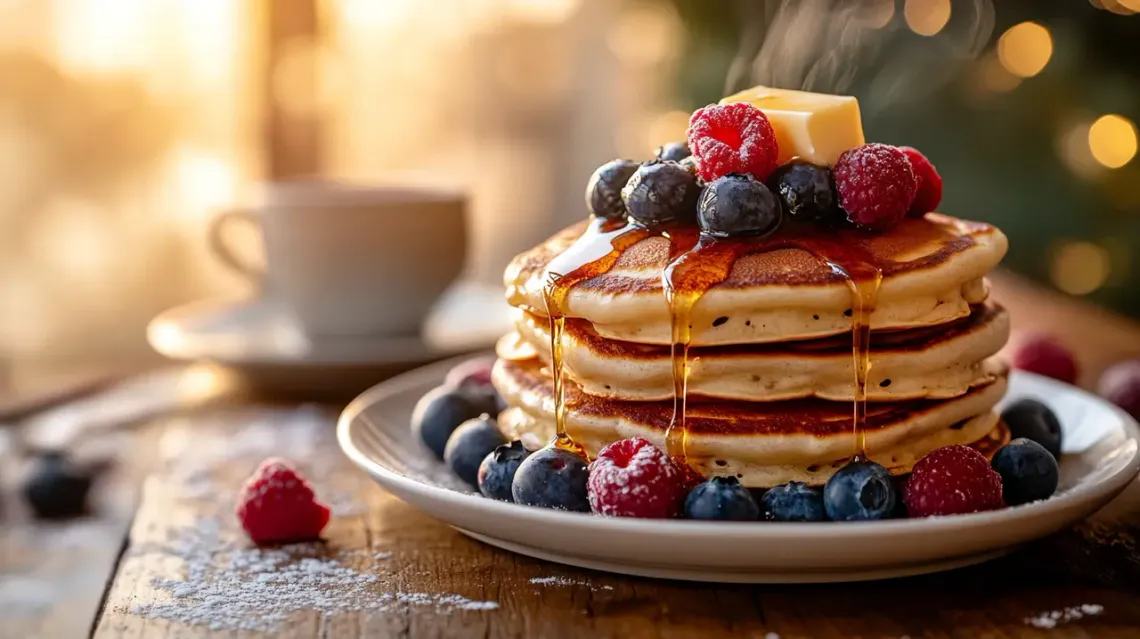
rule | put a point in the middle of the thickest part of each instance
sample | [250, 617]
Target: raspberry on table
[732, 138]
[929, 194]
[278, 505]
[953, 480]
[1046, 355]
[876, 185]
[634, 478]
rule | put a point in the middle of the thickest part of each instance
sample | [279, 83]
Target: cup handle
[221, 248]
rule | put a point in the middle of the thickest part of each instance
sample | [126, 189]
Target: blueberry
[603, 191]
[497, 471]
[861, 490]
[55, 488]
[806, 191]
[661, 192]
[794, 501]
[484, 398]
[1031, 419]
[721, 498]
[469, 444]
[552, 478]
[1028, 471]
[440, 412]
[674, 152]
[737, 205]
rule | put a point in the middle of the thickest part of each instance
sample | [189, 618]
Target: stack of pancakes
[771, 382]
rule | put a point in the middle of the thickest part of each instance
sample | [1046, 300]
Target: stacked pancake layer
[771, 372]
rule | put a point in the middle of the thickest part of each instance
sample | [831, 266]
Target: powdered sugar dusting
[566, 581]
[1054, 618]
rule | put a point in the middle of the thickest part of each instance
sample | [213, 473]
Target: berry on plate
[440, 412]
[1028, 471]
[929, 194]
[862, 490]
[469, 444]
[603, 191]
[736, 205]
[674, 151]
[721, 498]
[661, 192]
[55, 488]
[1048, 356]
[794, 501]
[552, 478]
[806, 191]
[634, 478]
[876, 185]
[497, 470]
[1120, 384]
[278, 505]
[952, 480]
[732, 138]
[475, 372]
[1033, 420]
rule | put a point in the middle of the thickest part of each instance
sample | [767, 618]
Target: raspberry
[277, 505]
[876, 185]
[929, 194]
[1120, 385]
[953, 480]
[634, 478]
[732, 138]
[1046, 355]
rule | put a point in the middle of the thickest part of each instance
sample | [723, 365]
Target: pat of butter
[816, 127]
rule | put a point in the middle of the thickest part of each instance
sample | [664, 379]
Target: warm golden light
[1131, 5]
[307, 79]
[542, 11]
[1079, 268]
[1112, 140]
[876, 13]
[994, 78]
[926, 17]
[646, 35]
[1073, 149]
[667, 127]
[1025, 49]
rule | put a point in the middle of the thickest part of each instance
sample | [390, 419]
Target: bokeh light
[646, 35]
[1025, 49]
[1112, 140]
[667, 127]
[542, 11]
[307, 79]
[876, 13]
[1079, 267]
[1133, 6]
[1073, 149]
[926, 17]
[992, 77]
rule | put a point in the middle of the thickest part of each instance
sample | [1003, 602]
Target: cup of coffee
[350, 259]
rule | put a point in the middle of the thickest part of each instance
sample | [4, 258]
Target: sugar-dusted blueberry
[794, 501]
[440, 412]
[673, 151]
[736, 205]
[603, 191]
[721, 498]
[861, 490]
[661, 192]
[806, 191]
[497, 471]
[56, 488]
[469, 444]
[1028, 471]
[552, 478]
[1034, 420]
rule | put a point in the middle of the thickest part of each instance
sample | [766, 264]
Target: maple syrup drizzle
[594, 253]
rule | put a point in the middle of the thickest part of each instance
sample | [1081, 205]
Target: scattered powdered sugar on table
[566, 581]
[1054, 618]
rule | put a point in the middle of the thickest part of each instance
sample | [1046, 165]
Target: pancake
[763, 443]
[932, 268]
[933, 362]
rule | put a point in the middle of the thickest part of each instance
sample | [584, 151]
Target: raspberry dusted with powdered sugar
[876, 185]
[953, 480]
[732, 138]
[634, 478]
[278, 505]
[929, 194]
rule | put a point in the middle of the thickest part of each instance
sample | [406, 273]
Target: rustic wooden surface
[192, 462]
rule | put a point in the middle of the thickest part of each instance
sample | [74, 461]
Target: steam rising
[830, 45]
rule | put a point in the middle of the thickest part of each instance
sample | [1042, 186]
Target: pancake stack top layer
[753, 355]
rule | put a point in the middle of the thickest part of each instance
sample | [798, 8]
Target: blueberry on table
[497, 470]
[603, 191]
[721, 498]
[1033, 420]
[660, 193]
[1028, 471]
[440, 412]
[469, 444]
[552, 478]
[55, 488]
[674, 152]
[861, 490]
[794, 501]
[736, 205]
[806, 191]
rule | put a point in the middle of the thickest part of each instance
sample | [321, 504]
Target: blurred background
[126, 125]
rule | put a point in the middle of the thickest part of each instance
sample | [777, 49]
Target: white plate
[1101, 456]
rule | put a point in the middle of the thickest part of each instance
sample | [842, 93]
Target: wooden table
[387, 570]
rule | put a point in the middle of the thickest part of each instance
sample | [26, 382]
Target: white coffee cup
[352, 260]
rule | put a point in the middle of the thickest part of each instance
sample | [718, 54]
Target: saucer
[1101, 456]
